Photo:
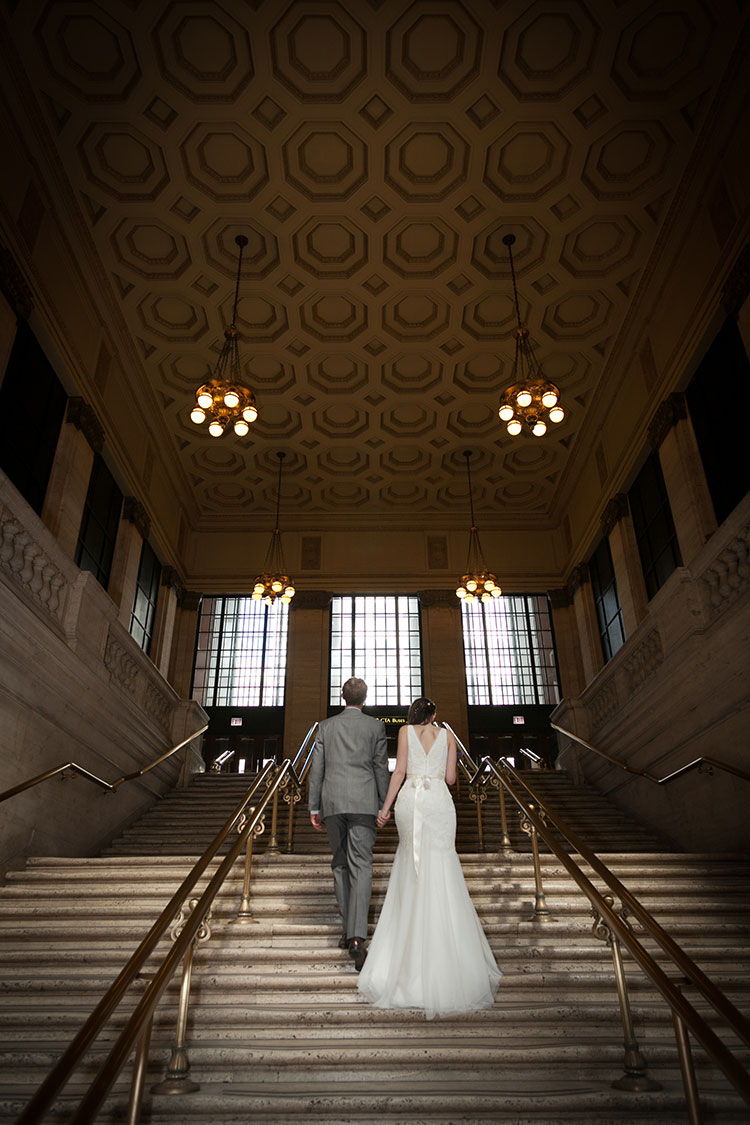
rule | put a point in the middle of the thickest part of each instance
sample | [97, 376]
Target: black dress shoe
[343, 942]
[357, 952]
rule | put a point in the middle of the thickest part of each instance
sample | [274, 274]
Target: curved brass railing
[139, 1021]
[713, 763]
[616, 929]
[108, 786]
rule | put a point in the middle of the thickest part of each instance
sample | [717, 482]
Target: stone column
[443, 656]
[589, 637]
[135, 526]
[617, 525]
[567, 643]
[183, 642]
[306, 666]
[170, 589]
[671, 433]
[81, 436]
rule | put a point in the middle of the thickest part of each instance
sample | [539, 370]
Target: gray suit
[348, 782]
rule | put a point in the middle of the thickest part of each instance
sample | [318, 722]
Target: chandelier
[274, 582]
[478, 582]
[530, 399]
[224, 399]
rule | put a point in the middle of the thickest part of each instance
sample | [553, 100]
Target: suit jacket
[349, 771]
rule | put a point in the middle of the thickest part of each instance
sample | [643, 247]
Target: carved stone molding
[171, 579]
[438, 599]
[728, 576]
[25, 561]
[312, 599]
[737, 287]
[190, 600]
[134, 512]
[668, 414]
[80, 415]
[157, 705]
[561, 598]
[604, 705]
[579, 575]
[616, 509]
[124, 670]
[13, 285]
[644, 661]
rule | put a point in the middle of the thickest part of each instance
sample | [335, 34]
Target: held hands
[382, 818]
[316, 821]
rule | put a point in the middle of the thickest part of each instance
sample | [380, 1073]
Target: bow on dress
[421, 784]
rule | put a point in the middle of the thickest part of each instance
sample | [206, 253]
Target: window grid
[240, 658]
[606, 600]
[653, 525]
[146, 595]
[377, 637]
[509, 651]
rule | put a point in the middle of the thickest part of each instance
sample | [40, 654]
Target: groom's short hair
[354, 692]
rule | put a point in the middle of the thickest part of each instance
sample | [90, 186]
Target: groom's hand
[382, 819]
[317, 823]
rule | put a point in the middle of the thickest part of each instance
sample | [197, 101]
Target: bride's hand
[382, 819]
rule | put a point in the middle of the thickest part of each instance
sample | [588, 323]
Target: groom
[348, 782]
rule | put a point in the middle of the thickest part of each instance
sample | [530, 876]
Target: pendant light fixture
[225, 401]
[274, 582]
[530, 400]
[478, 582]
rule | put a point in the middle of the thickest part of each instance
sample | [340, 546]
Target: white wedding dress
[429, 949]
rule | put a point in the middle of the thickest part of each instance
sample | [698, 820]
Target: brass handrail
[300, 771]
[63, 1068]
[695, 764]
[705, 1035]
[108, 786]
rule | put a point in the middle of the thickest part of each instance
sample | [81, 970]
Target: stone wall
[74, 686]
[676, 691]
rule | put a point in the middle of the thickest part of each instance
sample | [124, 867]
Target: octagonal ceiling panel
[374, 154]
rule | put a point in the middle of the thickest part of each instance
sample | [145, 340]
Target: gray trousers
[352, 836]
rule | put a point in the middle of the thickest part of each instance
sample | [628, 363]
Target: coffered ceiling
[374, 154]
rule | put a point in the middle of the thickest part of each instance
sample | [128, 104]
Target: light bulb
[250, 413]
[285, 599]
[469, 598]
[460, 592]
[497, 592]
[514, 427]
[289, 592]
[258, 588]
[204, 399]
[256, 597]
[241, 427]
[216, 429]
[277, 586]
[486, 597]
[231, 398]
[549, 398]
[197, 415]
[539, 429]
[556, 414]
[505, 413]
[471, 585]
[524, 398]
[489, 584]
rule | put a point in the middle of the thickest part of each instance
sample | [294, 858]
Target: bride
[428, 950]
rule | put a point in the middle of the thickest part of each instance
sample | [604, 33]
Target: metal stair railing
[711, 763]
[108, 786]
[616, 929]
[189, 921]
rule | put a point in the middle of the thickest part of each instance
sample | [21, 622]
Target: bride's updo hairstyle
[421, 711]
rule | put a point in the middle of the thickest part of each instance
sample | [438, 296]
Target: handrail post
[541, 910]
[687, 1068]
[635, 1078]
[177, 1075]
[505, 844]
[273, 843]
[292, 797]
[244, 914]
[478, 796]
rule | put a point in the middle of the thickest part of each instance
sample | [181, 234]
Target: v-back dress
[429, 949]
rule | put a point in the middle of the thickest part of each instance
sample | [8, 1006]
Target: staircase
[278, 1032]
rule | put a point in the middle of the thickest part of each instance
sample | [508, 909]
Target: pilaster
[617, 524]
[170, 589]
[80, 437]
[183, 642]
[672, 434]
[567, 643]
[134, 528]
[307, 663]
[579, 587]
[443, 655]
